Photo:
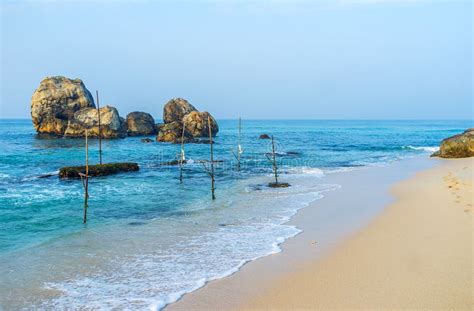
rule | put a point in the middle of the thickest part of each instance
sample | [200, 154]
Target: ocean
[149, 239]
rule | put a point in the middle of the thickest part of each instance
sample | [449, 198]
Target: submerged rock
[264, 136]
[457, 146]
[146, 140]
[140, 124]
[111, 125]
[172, 163]
[55, 102]
[98, 170]
[278, 185]
[179, 112]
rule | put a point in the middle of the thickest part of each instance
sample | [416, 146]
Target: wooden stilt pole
[275, 168]
[212, 159]
[100, 134]
[182, 157]
[273, 161]
[86, 182]
[239, 146]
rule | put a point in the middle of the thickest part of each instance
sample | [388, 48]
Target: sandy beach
[408, 246]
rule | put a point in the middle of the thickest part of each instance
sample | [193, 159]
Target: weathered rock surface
[140, 124]
[111, 125]
[98, 170]
[176, 109]
[196, 123]
[172, 132]
[179, 112]
[457, 146]
[55, 102]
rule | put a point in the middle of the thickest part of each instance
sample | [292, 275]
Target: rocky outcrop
[457, 146]
[172, 132]
[55, 102]
[176, 109]
[111, 124]
[140, 124]
[179, 113]
[98, 170]
[65, 107]
[196, 124]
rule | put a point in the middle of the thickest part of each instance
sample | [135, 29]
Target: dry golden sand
[416, 255]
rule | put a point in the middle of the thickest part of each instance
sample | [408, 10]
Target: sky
[270, 59]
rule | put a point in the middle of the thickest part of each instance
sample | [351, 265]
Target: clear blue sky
[338, 59]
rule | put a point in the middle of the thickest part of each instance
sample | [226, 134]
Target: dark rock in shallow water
[140, 124]
[170, 163]
[457, 146]
[98, 170]
[146, 140]
[278, 185]
[46, 176]
[136, 223]
[264, 136]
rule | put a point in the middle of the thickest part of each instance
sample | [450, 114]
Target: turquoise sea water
[149, 238]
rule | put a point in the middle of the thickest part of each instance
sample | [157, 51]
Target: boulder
[197, 124]
[172, 132]
[140, 124]
[111, 124]
[457, 146]
[55, 102]
[176, 109]
[179, 112]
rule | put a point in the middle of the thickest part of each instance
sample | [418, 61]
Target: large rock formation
[111, 124]
[55, 101]
[140, 124]
[64, 107]
[176, 109]
[172, 132]
[457, 146]
[197, 124]
[179, 112]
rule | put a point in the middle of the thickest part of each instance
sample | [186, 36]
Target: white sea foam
[180, 255]
[306, 170]
[423, 148]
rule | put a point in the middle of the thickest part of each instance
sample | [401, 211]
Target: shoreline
[327, 225]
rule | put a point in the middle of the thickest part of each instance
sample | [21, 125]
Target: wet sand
[394, 237]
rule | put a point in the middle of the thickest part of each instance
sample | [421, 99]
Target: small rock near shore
[457, 146]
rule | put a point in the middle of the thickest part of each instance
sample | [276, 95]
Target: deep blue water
[36, 213]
